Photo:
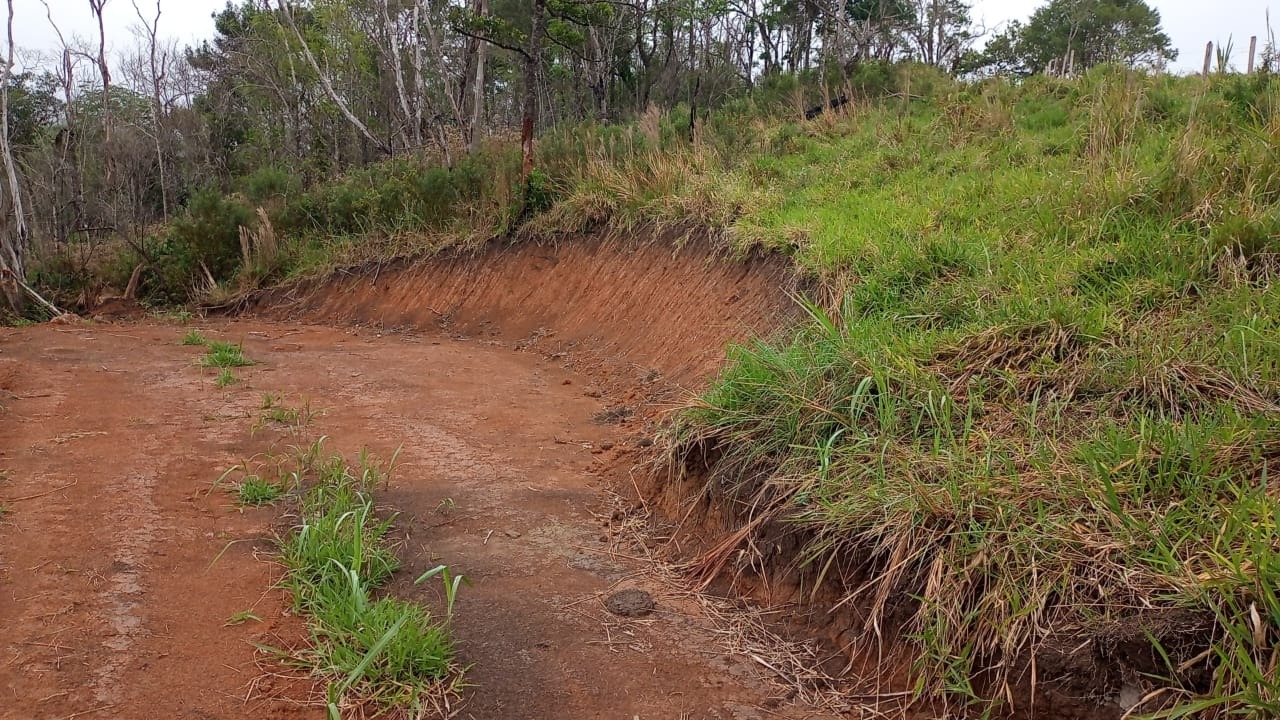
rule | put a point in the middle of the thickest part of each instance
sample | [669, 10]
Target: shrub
[208, 234]
[270, 183]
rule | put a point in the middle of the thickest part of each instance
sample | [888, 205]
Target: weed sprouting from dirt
[241, 618]
[380, 653]
[177, 316]
[255, 490]
[273, 412]
[224, 355]
[225, 378]
[194, 337]
[281, 415]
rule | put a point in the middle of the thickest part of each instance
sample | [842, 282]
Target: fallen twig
[38, 495]
[86, 712]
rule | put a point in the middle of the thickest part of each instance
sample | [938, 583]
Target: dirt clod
[631, 602]
[613, 415]
[606, 445]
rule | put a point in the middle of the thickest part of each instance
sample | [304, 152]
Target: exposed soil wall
[641, 304]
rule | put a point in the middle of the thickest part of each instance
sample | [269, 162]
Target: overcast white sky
[1190, 23]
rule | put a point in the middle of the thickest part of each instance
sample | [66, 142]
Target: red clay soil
[119, 568]
[644, 305]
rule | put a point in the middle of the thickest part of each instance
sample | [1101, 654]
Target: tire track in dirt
[136, 529]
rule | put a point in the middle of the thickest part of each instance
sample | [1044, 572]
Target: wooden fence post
[1253, 46]
[1208, 55]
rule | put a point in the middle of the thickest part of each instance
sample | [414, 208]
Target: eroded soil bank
[120, 568]
[642, 304]
[648, 322]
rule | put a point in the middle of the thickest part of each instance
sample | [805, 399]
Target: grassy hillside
[1045, 401]
[1040, 392]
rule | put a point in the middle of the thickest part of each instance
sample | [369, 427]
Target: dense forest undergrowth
[1039, 396]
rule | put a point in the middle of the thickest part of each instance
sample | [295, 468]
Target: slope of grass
[1044, 401]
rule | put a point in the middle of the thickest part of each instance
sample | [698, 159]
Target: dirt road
[119, 568]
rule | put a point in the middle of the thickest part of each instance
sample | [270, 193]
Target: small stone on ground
[630, 603]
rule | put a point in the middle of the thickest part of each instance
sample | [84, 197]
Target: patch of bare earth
[115, 607]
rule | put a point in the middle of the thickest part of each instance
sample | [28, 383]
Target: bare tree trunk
[694, 82]
[419, 80]
[12, 246]
[397, 73]
[437, 52]
[73, 144]
[97, 6]
[477, 87]
[422, 17]
[156, 78]
[325, 82]
[70, 147]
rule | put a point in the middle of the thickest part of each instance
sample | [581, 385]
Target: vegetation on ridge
[168, 173]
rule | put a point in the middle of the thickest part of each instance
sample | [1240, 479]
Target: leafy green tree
[1084, 33]
[33, 108]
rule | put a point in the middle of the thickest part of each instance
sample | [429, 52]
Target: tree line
[102, 148]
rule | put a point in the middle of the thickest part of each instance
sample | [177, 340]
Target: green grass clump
[274, 413]
[194, 337]
[224, 355]
[387, 651]
[225, 378]
[179, 316]
[255, 490]
[382, 651]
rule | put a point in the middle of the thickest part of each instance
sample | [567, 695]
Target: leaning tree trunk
[327, 85]
[397, 73]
